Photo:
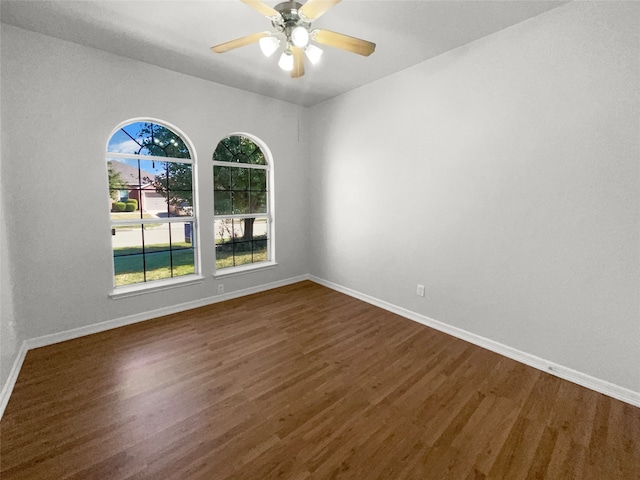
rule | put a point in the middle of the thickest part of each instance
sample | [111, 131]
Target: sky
[120, 142]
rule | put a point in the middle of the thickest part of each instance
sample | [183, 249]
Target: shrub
[133, 202]
[119, 207]
[130, 207]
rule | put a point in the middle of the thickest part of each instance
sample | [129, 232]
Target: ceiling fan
[292, 24]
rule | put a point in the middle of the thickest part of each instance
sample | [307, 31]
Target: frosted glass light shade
[313, 53]
[269, 45]
[300, 37]
[286, 62]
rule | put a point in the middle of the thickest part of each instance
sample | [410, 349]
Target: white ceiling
[178, 34]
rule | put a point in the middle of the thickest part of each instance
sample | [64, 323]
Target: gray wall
[504, 177]
[10, 339]
[60, 104]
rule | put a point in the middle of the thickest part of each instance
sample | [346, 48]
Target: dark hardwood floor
[298, 383]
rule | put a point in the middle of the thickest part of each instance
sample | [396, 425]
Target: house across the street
[139, 187]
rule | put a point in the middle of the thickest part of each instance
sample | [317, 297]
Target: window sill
[155, 286]
[243, 269]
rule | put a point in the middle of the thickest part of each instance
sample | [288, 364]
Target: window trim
[135, 289]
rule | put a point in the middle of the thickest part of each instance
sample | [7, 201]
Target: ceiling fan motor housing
[289, 18]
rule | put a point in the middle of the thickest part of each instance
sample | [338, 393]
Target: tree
[240, 190]
[115, 182]
[175, 183]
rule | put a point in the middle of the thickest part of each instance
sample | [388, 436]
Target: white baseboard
[615, 391]
[606, 388]
[141, 317]
[45, 340]
[7, 388]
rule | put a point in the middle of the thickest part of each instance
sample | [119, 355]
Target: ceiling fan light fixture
[269, 45]
[286, 61]
[313, 53]
[291, 21]
[300, 37]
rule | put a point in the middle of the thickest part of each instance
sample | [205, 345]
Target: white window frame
[157, 285]
[268, 216]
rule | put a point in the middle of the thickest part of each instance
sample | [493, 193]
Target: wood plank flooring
[302, 382]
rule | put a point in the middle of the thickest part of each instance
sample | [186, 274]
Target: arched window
[153, 223]
[242, 214]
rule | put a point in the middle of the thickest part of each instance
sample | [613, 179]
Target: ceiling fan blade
[239, 42]
[298, 62]
[316, 8]
[345, 42]
[262, 8]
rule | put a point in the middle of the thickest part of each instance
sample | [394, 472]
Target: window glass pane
[240, 178]
[128, 269]
[183, 262]
[122, 143]
[151, 203]
[222, 202]
[146, 138]
[258, 180]
[126, 208]
[238, 149]
[181, 208]
[157, 263]
[179, 175]
[175, 183]
[258, 202]
[156, 234]
[154, 174]
[128, 261]
[223, 152]
[260, 229]
[238, 229]
[256, 157]
[125, 173]
[223, 231]
[221, 178]
[224, 255]
[224, 245]
[148, 171]
[241, 203]
[182, 235]
[242, 253]
[260, 250]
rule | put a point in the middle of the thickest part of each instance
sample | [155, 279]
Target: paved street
[155, 235]
[160, 234]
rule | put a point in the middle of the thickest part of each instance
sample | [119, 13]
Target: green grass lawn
[129, 265]
[224, 260]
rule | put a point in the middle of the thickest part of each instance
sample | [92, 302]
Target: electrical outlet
[221, 288]
[420, 290]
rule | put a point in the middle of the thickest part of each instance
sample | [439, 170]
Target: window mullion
[133, 156]
[146, 221]
[240, 165]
